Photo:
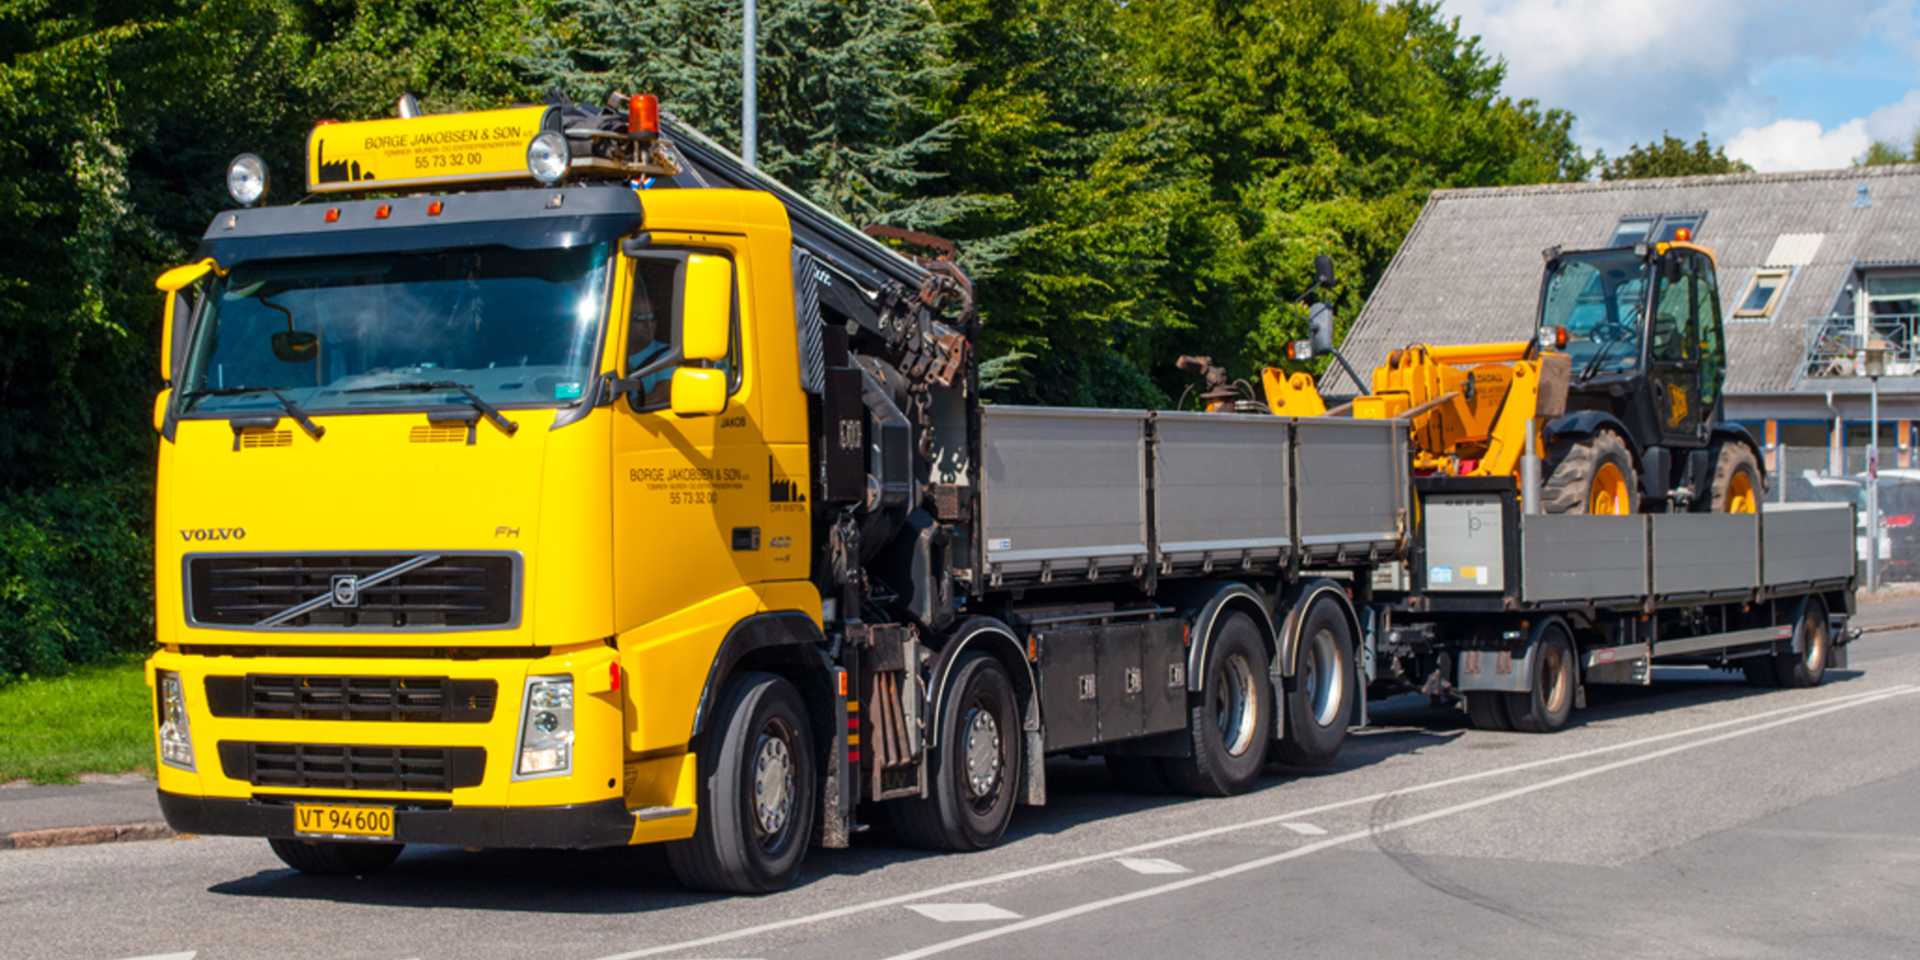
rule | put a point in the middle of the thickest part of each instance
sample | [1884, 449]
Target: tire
[1556, 675]
[757, 792]
[1488, 711]
[1807, 666]
[1736, 479]
[336, 858]
[1139, 774]
[974, 774]
[1236, 697]
[1577, 463]
[1759, 671]
[1321, 703]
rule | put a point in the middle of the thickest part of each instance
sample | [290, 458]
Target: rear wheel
[336, 858]
[974, 772]
[1806, 665]
[1324, 688]
[1592, 474]
[1230, 724]
[1736, 479]
[757, 791]
[1547, 707]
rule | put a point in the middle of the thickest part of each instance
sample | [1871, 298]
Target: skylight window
[1763, 294]
[1655, 227]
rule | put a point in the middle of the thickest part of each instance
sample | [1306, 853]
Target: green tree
[1671, 157]
[1886, 152]
[848, 89]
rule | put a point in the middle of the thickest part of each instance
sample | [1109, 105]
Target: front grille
[347, 767]
[454, 591]
[417, 699]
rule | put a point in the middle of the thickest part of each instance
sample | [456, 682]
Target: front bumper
[606, 823]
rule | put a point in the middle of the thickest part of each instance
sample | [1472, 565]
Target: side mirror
[1320, 327]
[706, 318]
[699, 391]
[176, 284]
[1323, 270]
[295, 346]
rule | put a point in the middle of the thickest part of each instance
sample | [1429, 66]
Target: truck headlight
[546, 728]
[247, 179]
[548, 157]
[176, 739]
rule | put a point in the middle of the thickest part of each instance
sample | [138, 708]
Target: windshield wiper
[299, 415]
[488, 410]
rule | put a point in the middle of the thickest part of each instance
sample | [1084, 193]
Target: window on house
[1655, 227]
[1763, 294]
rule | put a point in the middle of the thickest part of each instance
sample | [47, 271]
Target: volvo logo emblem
[346, 590]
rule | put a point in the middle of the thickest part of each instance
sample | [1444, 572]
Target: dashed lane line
[1151, 866]
[1306, 829]
[1401, 824]
[774, 926]
[963, 912]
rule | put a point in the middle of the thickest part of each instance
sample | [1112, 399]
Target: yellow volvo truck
[544, 477]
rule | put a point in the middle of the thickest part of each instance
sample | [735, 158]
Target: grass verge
[96, 719]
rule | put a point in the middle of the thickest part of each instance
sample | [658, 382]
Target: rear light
[383, 211]
[1896, 521]
[434, 208]
[643, 114]
[333, 214]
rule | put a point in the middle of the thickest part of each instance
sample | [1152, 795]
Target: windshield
[1598, 297]
[519, 327]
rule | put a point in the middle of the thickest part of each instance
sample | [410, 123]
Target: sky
[1782, 85]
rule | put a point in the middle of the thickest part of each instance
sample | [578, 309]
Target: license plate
[328, 820]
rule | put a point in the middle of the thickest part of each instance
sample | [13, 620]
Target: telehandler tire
[1592, 474]
[757, 791]
[1736, 479]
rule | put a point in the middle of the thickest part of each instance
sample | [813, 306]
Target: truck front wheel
[757, 791]
[975, 770]
[1230, 722]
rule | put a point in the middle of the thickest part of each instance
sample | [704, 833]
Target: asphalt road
[1696, 818]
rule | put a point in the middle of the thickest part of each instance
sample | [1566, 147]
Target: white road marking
[189, 955]
[962, 912]
[1305, 829]
[774, 926]
[1401, 824]
[1151, 865]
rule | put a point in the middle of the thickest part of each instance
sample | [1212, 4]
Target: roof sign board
[399, 152]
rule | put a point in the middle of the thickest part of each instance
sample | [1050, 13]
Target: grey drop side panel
[1352, 486]
[1466, 545]
[1220, 483]
[1064, 485]
[1804, 542]
[1705, 552]
[1579, 557]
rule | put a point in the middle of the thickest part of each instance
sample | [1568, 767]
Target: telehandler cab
[1623, 384]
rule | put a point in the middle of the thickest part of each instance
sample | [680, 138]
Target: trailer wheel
[757, 791]
[1488, 711]
[1325, 685]
[1591, 475]
[1229, 723]
[1138, 774]
[975, 772]
[335, 858]
[1547, 707]
[1806, 666]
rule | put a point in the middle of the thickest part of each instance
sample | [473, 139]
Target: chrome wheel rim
[1557, 671]
[982, 747]
[773, 793]
[1816, 656]
[1324, 679]
[1233, 705]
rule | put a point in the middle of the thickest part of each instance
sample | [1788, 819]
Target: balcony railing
[1833, 345]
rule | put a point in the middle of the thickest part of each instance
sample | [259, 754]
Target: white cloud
[1799, 145]
[1796, 144]
[1630, 69]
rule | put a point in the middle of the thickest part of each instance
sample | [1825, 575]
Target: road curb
[82, 836]
[1889, 627]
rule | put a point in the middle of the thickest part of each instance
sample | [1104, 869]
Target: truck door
[1713, 341]
[685, 519]
[1673, 359]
